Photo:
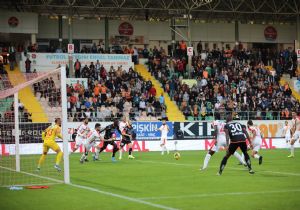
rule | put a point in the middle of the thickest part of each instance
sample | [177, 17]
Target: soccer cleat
[291, 156]
[260, 160]
[202, 169]
[162, 153]
[113, 159]
[57, 168]
[38, 169]
[131, 157]
[251, 171]
[81, 161]
[219, 173]
[95, 158]
[86, 160]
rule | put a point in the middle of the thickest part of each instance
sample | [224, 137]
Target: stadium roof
[254, 11]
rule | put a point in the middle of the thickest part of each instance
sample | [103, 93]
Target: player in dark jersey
[127, 135]
[237, 134]
[74, 134]
[109, 138]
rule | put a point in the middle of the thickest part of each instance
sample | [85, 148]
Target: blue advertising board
[148, 130]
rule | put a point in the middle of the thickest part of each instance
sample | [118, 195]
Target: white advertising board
[50, 61]
[143, 146]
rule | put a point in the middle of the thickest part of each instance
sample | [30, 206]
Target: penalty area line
[219, 194]
[228, 167]
[136, 200]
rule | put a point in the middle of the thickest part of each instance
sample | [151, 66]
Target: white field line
[136, 200]
[28, 185]
[35, 175]
[98, 191]
[234, 168]
[218, 194]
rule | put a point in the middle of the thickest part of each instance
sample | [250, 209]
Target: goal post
[20, 140]
[17, 133]
[64, 103]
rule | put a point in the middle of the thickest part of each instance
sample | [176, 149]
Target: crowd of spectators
[9, 115]
[229, 81]
[48, 90]
[112, 93]
[244, 82]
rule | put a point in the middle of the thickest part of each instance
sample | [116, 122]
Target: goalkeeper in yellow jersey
[49, 135]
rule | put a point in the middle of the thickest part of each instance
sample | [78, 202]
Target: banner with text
[50, 61]
[204, 130]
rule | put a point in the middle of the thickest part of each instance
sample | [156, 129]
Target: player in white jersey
[123, 124]
[286, 132]
[82, 132]
[164, 129]
[255, 140]
[90, 141]
[295, 132]
[220, 142]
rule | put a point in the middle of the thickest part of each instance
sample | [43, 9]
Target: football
[177, 155]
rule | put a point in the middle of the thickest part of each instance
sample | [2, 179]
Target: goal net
[30, 103]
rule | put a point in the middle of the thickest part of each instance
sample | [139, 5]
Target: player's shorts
[163, 140]
[79, 140]
[233, 147]
[287, 138]
[124, 142]
[50, 145]
[256, 144]
[296, 135]
[221, 142]
[89, 145]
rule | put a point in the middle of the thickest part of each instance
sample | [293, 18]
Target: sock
[248, 162]
[243, 157]
[130, 151]
[58, 157]
[240, 157]
[292, 149]
[162, 149]
[115, 150]
[223, 164]
[86, 155]
[82, 157]
[256, 156]
[120, 152]
[97, 152]
[206, 160]
[166, 149]
[41, 160]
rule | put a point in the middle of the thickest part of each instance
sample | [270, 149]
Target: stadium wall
[160, 31]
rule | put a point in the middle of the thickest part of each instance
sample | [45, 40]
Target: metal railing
[8, 116]
[103, 117]
[241, 115]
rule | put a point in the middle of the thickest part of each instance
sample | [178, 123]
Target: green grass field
[153, 181]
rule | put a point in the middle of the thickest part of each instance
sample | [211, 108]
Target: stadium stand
[238, 82]
[108, 95]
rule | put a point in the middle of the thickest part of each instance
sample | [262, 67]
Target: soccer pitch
[153, 181]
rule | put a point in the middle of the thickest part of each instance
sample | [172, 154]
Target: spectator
[28, 65]
[77, 67]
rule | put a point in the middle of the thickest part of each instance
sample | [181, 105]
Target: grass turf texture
[176, 184]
